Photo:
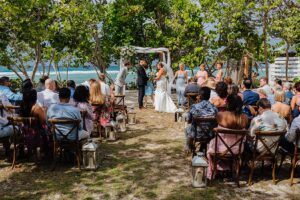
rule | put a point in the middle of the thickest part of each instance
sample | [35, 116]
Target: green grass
[146, 163]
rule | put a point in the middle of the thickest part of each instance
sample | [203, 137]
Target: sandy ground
[147, 162]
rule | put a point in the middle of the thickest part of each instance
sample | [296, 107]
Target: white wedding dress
[162, 101]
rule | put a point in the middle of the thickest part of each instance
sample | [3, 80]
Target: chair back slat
[240, 134]
[83, 116]
[269, 150]
[297, 142]
[65, 121]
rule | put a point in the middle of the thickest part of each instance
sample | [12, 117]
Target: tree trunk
[265, 43]
[15, 71]
[287, 61]
[50, 62]
[37, 60]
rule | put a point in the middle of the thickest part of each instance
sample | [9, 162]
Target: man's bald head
[50, 84]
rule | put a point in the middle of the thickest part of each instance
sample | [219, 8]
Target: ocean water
[82, 74]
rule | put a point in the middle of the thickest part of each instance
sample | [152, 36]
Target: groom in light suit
[141, 81]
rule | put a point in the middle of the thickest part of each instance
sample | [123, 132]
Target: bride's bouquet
[151, 76]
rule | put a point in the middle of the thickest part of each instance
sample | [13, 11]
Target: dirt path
[147, 162]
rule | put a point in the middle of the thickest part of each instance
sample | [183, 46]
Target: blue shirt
[250, 97]
[288, 97]
[72, 91]
[67, 111]
[202, 109]
[12, 97]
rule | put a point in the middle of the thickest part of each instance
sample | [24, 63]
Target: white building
[277, 69]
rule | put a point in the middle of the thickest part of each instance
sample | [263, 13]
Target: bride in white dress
[162, 102]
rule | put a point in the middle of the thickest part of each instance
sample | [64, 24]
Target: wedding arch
[130, 51]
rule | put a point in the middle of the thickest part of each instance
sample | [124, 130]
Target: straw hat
[211, 83]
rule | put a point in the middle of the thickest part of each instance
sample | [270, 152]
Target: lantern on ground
[199, 168]
[121, 120]
[178, 115]
[131, 116]
[91, 155]
[113, 131]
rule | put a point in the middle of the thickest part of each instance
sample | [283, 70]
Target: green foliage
[70, 33]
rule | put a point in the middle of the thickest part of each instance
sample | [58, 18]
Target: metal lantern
[199, 168]
[121, 120]
[112, 131]
[91, 155]
[178, 115]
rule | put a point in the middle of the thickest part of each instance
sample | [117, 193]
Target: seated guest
[287, 87]
[47, 96]
[295, 102]
[211, 83]
[267, 120]
[249, 97]
[71, 85]
[6, 130]
[228, 80]
[263, 95]
[202, 109]
[221, 90]
[29, 108]
[289, 141]
[5, 102]
[278, 84]
[264, 86]
[234, 89]
[279, 107]
[105, 89]
[27, 85]
[64, 110]
[81, 101]
[192, 87]
[96, 97]
[57, 87]
[5, 85]
[41, 85]
[233, 118]
[97, 100]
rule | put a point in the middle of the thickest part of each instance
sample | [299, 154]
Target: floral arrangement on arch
[127, 52]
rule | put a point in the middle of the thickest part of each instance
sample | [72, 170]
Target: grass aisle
[147, 162]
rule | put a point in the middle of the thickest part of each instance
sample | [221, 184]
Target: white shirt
[46, 98]
[105, 90]
[267, 121]
[268, 90]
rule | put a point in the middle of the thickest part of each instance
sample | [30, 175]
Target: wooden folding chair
[269, 152]
[1, 110]
[192, 98]
[228, 155]
[296, 157]
[200, 122]
[61, 141]
[83, 116]
[23, 128]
